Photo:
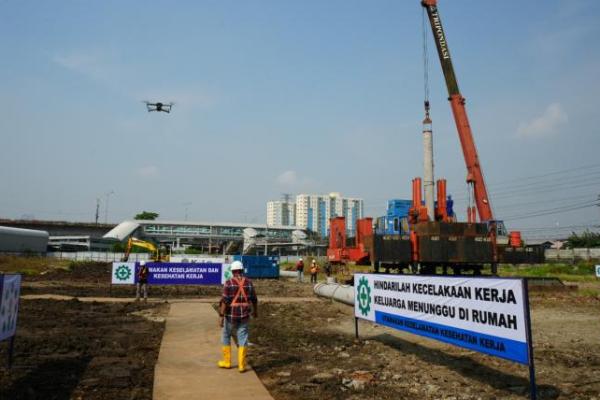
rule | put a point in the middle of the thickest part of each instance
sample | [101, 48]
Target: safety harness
[241, 292]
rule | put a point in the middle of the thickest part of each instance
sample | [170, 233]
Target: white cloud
[107, 68]
[288, 178]
[291, 180]
[147, 172]
[91, 64]
[546, 124]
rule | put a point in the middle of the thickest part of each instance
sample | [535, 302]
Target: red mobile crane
[442, 241]
[475, 177]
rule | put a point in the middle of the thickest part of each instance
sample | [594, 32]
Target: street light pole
[97, 209]
[186, 205]
[106, 206]
[266, 239]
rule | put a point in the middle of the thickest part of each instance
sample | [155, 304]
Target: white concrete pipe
[342, 293]
[428, 183]
[288, 274]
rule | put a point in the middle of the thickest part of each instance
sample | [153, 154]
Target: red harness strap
[241, 292]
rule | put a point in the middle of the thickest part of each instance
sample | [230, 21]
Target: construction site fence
[97, 256]
[552, 255]
[571, 255]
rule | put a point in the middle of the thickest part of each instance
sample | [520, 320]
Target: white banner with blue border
[10, 289]
[488, 315]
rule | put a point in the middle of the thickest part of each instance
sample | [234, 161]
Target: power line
[548, 187]
[510, 206]
[556, 228]
[552, 211]
[560, 172]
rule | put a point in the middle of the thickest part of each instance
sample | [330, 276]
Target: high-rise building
[313, 211]
[281, 213]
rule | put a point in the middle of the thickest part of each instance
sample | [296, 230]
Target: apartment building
[313, 211]
[281, 213]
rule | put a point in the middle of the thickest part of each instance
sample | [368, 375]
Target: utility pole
[97, 209]
[106, 206]
[266, 239]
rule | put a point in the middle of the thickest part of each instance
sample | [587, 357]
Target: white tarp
[483, 314]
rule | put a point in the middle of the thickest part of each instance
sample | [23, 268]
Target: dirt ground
[93, 280]
[309, 352]
[72, 350]
[76, 350]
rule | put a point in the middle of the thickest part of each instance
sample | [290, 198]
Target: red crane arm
[457, 102]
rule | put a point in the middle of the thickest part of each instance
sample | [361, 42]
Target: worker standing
[142, 283]
[327, 268]
[238, 302]
[314, 270]
[300, 269]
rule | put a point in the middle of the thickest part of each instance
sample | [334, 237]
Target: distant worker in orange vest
[300, 269]
[238, 302]
[142, 282]
[314, 270]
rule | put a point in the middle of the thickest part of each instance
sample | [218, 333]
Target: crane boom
[457, 102]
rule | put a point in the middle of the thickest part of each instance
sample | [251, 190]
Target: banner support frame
[531, 365]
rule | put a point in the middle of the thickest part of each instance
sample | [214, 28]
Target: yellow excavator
[159, 253]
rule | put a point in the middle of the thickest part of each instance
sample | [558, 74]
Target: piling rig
[435, 240]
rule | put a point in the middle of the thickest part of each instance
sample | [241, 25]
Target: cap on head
[237, 266]
[142, 262]
[300, 259]
[314, 261]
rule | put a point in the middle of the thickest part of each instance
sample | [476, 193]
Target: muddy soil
[308, 351]
[75, 350]
[93, 280]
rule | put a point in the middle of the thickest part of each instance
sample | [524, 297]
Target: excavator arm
[143, 244]
[457, 102]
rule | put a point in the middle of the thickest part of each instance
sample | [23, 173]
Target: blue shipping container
[398, 208]
[259, 266]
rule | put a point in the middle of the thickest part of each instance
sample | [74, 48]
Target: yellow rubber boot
[226, 361]
[242, 358]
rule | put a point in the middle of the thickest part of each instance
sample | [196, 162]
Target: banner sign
[598, 271]
[123, 273]
[185, 273]
[160, 273]
[10, 289]
[489, 315]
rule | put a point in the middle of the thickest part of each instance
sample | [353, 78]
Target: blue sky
[292, 96]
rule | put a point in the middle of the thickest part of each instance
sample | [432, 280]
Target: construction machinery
[434, 238]
[159, 253]
[340, 251]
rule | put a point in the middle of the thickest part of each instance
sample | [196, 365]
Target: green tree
[586, 240]
[146, 215]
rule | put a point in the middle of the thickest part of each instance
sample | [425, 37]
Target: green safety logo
[228, 274]
[363, 296]
[123, 272]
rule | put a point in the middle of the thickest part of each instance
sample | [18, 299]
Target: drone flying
[166, 107]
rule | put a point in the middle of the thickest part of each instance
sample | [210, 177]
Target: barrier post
[11, 350]
[532, 386]
[356, 327]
